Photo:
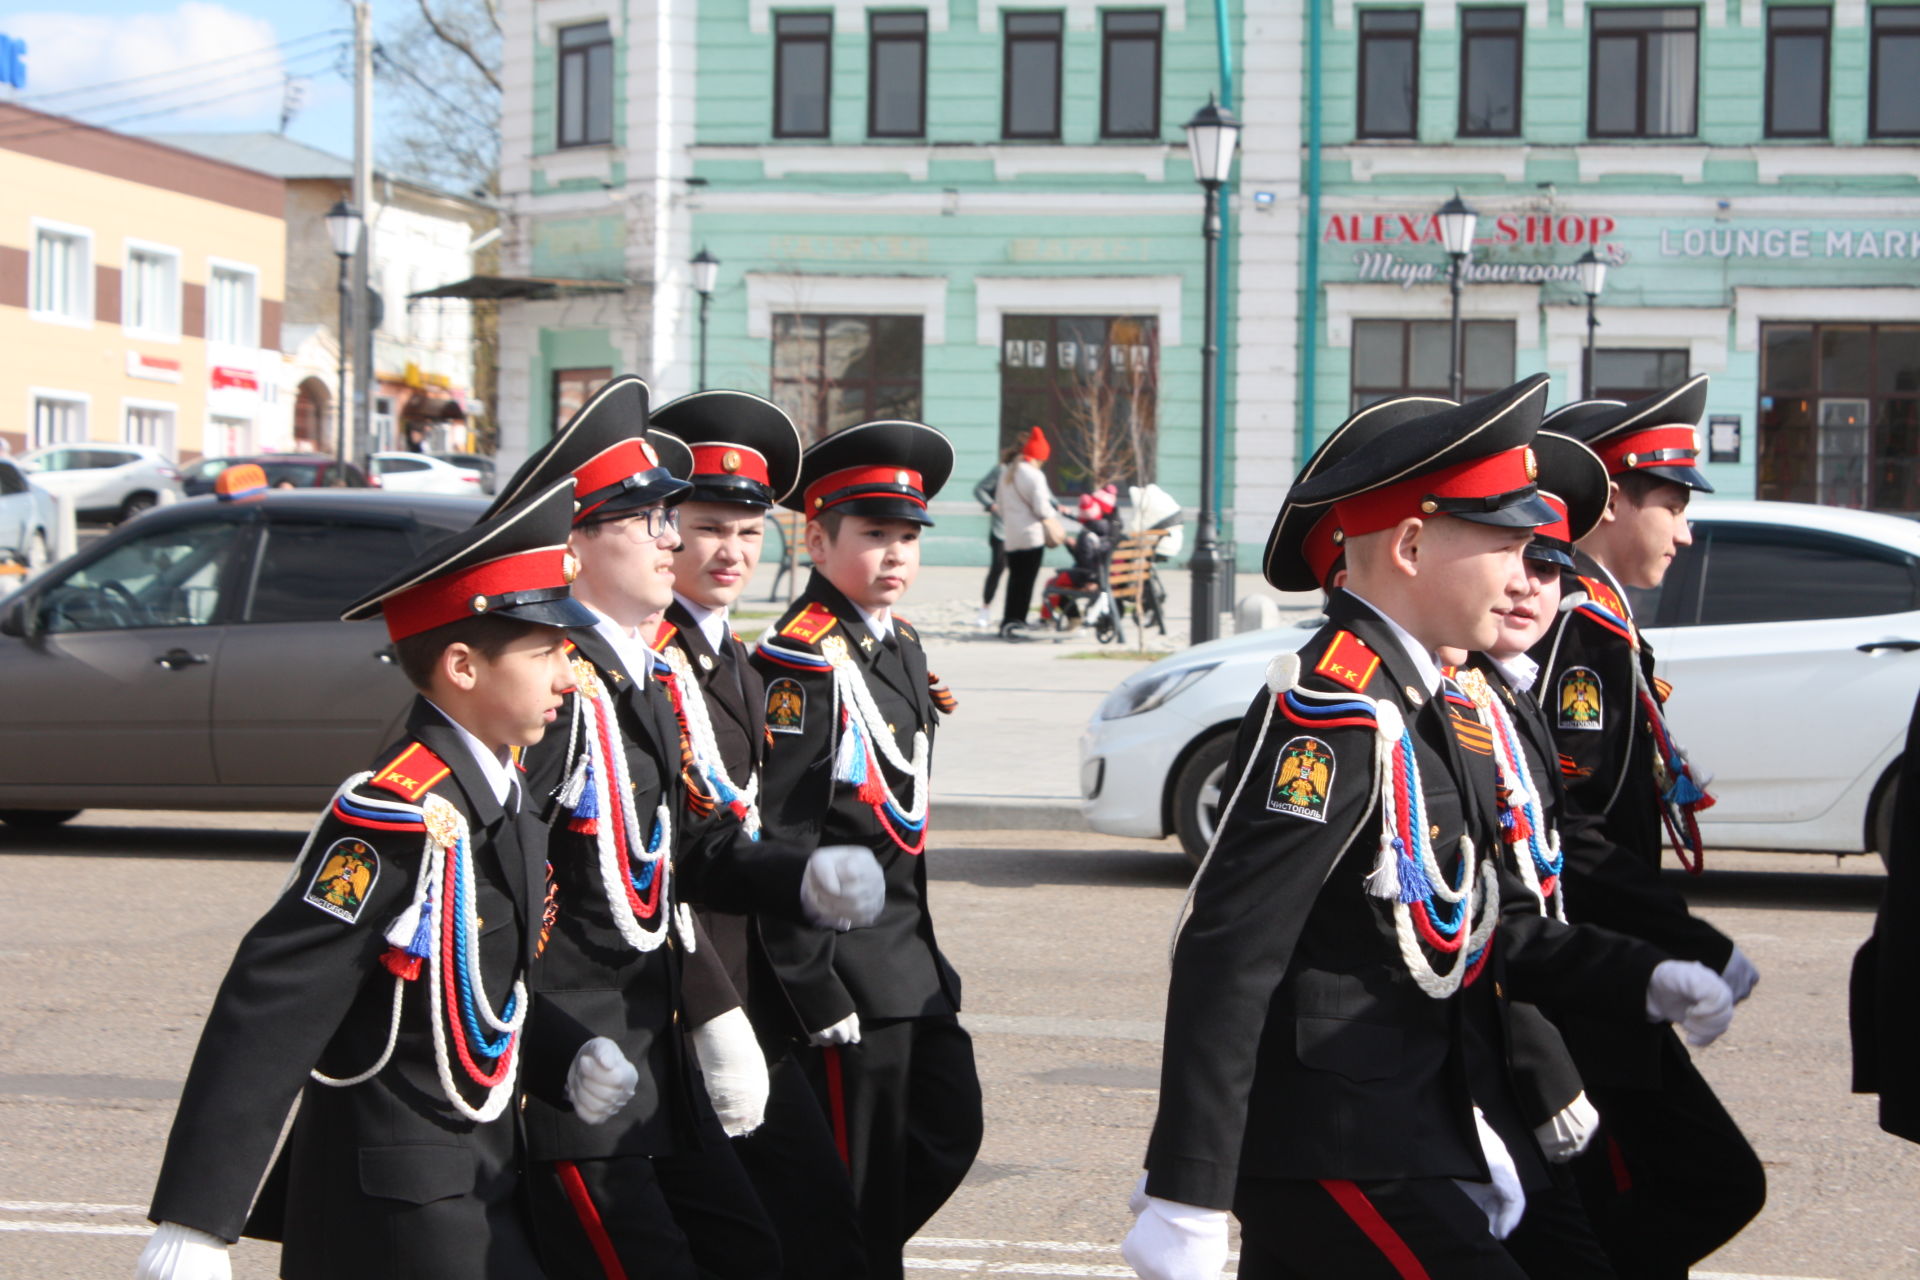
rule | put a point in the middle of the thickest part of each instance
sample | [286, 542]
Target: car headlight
[1153, 689]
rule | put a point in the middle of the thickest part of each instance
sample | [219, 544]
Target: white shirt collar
[879, 622]
[498, 769]
[1520, 670]
[712, 622]
[1416, 653]
[633, 651]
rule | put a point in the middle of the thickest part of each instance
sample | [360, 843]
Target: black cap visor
[884, 507]
[739, 491]
[549, 606]
[655, 488]
[1550, 551]
[1684, 474]
[1518, 509]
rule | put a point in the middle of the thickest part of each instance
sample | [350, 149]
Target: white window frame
[770, 294]
[80, 400]
[253, 318]
[997, 296]
[170, 449]
[170, 332]
[215, 432]
[83, 287]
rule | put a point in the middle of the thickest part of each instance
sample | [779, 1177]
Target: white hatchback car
[104, 481]
[1791, 635]
[420, 473]
[29, 520]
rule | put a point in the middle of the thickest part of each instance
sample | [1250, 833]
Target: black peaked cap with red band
[746, 449]
[1301, 549]
[888, 470]
[1658, 435]
[511, 565]
[1574, 483]
[617, 463]
[1471, 461]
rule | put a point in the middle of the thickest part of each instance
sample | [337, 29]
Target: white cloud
[218, 52]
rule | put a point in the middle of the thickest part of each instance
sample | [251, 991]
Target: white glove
[1689, 993]
[175, 1252]
[845, 1031]
[601, 1080]
[1501, 1200]
[1740, 975]
[843, 887]
[1568, 1133]
[735, 1071]
[1174, 1241]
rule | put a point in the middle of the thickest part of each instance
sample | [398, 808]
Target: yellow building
[140, 293]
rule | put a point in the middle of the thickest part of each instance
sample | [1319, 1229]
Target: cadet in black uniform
[1886, 1044]
[386, 987]
[1335, 1058]
[658, 1191]
[852, 711]
[1670, 1178]
[746, 457]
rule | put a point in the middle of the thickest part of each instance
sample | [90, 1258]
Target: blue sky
[157, 66]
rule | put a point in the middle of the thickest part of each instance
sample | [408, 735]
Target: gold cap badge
[730, 461]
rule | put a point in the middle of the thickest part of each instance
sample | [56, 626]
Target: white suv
[104, 481]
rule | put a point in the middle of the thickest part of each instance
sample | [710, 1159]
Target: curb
[1003, 813]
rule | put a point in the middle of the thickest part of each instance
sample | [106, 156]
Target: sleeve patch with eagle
[1303, 779]
[344, 879]
[1578, 698]
[786, 706]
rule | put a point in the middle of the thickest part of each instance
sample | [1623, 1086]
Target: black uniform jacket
[307, 990]
[893, 968]
[588, 971]
[1886, 1041]
[1610, 829]
[736, 706]
[1297, 1043]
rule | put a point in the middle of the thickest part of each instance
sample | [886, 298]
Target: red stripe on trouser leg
[589, 1215]
[1622, 1177]
[1354, 1202]
[836, 1099]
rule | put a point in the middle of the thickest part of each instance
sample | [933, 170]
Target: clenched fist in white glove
[175, 1252]
[1501, 1199]
[1568, 1133]
[601, 1080]
[845, 1031]
[1740, 975]
[735, 1071]
[1174, 1241]
[843, 887]
[1689, 993]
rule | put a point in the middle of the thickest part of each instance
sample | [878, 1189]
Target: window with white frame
[233, 306]
[229, 437]
[150, 292]
[58, 419]
[63, 274]
[151, 425]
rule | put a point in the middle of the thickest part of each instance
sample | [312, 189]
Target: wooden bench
[1131, 568]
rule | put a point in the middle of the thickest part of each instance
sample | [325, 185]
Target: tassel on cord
[586, 812]
[1384, 880]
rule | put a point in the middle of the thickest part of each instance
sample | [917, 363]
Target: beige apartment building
[141, 290]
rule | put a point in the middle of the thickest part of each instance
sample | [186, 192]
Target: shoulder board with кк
[1348, 661]
[814, 622]
[412, 774]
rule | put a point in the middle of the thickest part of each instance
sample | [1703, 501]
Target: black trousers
[1554, 1238]
[1023, 567]
[689, 1216]
[802, 1182]
[1405, 1229]
[1669, 1177]
[996, 565]
[904, 1104]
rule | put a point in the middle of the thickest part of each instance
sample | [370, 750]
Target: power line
[226, 62]
[256, 80]
[404, 70]
[65, 124]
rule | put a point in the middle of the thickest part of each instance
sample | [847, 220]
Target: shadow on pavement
[1023, 868]
[152, 842]
[1780, 890]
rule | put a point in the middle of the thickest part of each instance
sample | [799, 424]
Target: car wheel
[37, 819]
[38, 556]
[136, 503]
[1198, 794]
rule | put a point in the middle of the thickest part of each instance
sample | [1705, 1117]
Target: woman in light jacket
[1024, 504]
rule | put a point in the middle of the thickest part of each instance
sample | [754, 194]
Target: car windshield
[300, 475]
[206, 468]
[170, 578]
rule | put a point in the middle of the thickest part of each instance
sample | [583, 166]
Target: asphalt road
[114, 932]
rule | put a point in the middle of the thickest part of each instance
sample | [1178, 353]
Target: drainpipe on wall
[1224, 45]
[1310, 303]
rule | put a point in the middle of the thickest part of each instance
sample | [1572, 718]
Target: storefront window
[834, 372]
[571, 389]
[1092, 383]
[1840, 415]
[1409, 357]
[1630, 374]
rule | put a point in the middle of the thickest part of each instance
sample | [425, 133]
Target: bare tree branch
[459, 44]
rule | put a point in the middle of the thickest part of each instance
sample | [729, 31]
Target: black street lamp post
[1591, 269]
[1456, 236]
[343, 228]
[1213, 135]
[706, 274]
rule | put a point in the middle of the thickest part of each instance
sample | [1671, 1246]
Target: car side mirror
[21, 617]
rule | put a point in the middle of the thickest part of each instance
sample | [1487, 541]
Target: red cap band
[829, 491]
[608, 468]
[730, 460]
[1560, 528]
[1320, 550]
[451, 597]
[1387, 506]
[1652, 447]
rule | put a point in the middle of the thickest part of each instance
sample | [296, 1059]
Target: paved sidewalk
[1009, 756]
